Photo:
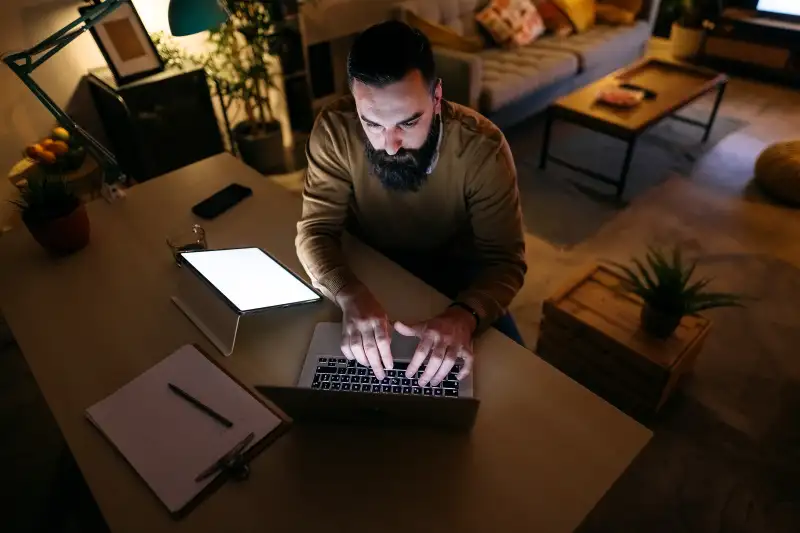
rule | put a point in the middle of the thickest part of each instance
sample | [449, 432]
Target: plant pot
[64, 235]
[260, 145]
[686, 42]
[657, 323]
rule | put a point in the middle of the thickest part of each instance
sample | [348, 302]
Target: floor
[726, 451]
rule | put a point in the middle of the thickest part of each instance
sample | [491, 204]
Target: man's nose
[392, 141]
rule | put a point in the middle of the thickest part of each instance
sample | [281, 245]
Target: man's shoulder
[472, 127]
[336, 125]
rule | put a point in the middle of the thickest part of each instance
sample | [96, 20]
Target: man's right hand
[365, 329]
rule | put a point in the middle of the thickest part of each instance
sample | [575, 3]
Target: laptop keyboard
[337, 373]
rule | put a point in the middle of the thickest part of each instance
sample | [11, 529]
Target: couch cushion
[458, 15]
[600, 44]
[511, 74]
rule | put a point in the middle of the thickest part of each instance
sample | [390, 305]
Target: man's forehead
[393, 102]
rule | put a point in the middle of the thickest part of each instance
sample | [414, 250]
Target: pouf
[778, 171]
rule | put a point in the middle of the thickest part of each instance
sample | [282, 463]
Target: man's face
[401, 129]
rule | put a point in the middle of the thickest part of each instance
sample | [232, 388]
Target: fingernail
[422, 383]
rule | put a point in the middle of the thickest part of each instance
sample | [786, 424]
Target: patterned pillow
[614, 15]
[511, 22]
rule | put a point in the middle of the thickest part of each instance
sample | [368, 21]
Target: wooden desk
[543, 451]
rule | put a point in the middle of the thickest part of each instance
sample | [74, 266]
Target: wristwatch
[470, 310]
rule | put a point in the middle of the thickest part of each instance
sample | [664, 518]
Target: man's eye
[409, 124]
[373, 126]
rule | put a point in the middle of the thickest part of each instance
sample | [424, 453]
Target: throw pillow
[633, 6]
[554, 19]
[511, 22]
[440, 35]
[614, 15]
[580, 12]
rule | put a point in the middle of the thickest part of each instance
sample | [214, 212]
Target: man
[430, 184]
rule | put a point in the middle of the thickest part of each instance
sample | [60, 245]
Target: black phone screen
[221, 201]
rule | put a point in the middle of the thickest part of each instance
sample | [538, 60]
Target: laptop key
[362, 371]
[336, 386]
[365, 379]
[376, 388]
[416, 390]
[395, 381]
[396, 389]
[427, 391]
[438, 392]
[450, 392]
[326, 370]
[315, 385]
[345, 386]
[345, 379]
[406, 381]
[342, 370]
[386, 388]
[326, 385]
[331, 362]
[406, 390]
[322, 360]
[335, 379]
[324, 377]
[351, 362]
[355, 387]
[450, 384]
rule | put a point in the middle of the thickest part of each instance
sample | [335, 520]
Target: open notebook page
[166, 439]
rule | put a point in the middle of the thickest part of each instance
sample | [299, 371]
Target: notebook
[169, 441]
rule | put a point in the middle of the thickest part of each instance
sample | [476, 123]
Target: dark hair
[385, 53]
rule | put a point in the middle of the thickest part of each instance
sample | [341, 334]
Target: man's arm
[496, 219]
[326, 197]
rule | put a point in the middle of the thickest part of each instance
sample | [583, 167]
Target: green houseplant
[242, 66]
[664, 282]
[54, 214]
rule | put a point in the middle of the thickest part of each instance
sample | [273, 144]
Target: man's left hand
[443, 339]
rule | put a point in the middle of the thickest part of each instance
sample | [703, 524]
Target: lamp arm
[23, 63]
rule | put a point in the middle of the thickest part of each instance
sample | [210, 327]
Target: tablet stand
[210, 313]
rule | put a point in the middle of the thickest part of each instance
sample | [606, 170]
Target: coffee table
[675, 86]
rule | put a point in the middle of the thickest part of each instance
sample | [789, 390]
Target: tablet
[249, 279]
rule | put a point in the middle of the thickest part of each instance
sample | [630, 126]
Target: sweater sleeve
[496, 218]
[327, 194]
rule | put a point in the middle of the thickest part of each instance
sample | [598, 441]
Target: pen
[206, 409]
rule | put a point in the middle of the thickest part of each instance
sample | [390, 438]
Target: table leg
[626, 166]
[548, 127]
[720, 94]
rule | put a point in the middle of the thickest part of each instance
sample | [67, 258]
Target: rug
[564, 207]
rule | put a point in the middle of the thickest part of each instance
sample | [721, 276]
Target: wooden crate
[591, 331]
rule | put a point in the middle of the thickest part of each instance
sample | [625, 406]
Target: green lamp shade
[187, 17]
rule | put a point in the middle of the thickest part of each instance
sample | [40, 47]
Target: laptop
[333, 389]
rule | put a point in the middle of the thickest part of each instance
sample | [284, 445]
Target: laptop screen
[781, 7]
[250, 278]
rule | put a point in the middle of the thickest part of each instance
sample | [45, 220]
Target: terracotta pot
[63, 235]
[658, 323]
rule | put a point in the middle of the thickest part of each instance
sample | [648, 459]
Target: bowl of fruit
[58, 153]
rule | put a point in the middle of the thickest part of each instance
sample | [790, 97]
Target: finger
[348, 353]
[414, 330]
[372, 354]
[357, 347]
[384, 344]
[434, 363]
[467, 368]
[420, 354]
[450, 357]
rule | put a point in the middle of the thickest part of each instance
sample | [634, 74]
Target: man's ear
[437, 97]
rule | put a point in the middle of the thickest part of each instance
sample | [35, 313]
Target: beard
[407, 170]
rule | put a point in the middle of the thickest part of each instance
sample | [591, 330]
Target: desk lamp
[186, 17]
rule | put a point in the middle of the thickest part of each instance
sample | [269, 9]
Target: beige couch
[510, 85]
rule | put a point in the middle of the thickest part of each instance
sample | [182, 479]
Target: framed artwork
[125, 44]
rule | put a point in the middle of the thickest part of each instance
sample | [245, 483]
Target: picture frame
[125, 44]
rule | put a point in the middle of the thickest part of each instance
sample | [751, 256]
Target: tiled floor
[725, 456]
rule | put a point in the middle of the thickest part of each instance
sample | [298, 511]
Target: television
[782, 8]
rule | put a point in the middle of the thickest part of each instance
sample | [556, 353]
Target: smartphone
[221, 201]
[648, 94]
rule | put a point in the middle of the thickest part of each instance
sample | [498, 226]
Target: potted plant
[668, 291]
[690, 18]
[54, 215]
[243, 65]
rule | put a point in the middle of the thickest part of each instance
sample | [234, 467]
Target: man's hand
[365, 329]
[443, 339]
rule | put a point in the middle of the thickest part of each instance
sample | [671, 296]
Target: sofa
[510, 85]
